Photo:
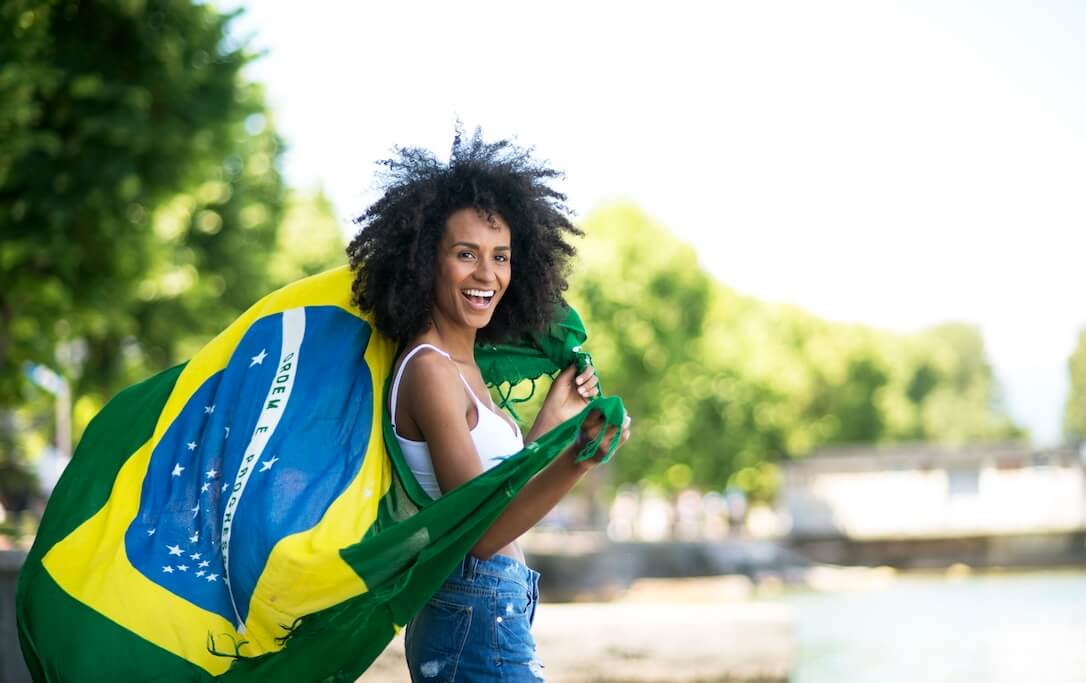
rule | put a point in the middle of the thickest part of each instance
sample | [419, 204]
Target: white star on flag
[177, 470]
[168, 569]
[150, 532]
[204, 563]
[191, 445]
[195, 538]
[200, 573]
[212, 577]
[227, 433]
[203, 489]
[209, 409]
[183, 567]
[212, 473]
[194, 556]
[258, 359]
[225, 486]
[195, 511]
[267, 464]
[175, 550]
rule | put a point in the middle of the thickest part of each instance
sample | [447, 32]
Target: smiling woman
[473, 259]
[452, 255]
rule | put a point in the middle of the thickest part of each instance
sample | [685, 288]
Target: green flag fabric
[247, 516]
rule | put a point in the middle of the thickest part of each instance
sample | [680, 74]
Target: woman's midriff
[513, 552]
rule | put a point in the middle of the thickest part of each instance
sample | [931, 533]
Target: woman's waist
[494, 574]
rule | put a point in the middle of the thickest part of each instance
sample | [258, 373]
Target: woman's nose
[484, 271]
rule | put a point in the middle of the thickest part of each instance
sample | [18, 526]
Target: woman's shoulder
[429, 370]
[431, 393]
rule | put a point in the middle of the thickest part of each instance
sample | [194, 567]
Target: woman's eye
[501, 258]
[467, 255]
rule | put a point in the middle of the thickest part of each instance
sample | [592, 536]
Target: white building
[931, 492]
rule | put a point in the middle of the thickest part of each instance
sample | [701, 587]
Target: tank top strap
[399, 375]
[479, 404]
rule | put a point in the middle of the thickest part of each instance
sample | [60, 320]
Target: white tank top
[494, 439]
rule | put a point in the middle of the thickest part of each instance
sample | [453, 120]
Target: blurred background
[833, 265]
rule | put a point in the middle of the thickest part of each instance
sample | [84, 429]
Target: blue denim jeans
[477, 627]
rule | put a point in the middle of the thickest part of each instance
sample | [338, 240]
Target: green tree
[120, 107]
[723, 386]
[310, 239]
[963, 404]
[214, 244]
[139, 190]
[644, 300]
[1074, 412]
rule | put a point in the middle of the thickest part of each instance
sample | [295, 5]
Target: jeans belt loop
[469, 566]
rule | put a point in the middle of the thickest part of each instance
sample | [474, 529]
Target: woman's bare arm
[437, 404]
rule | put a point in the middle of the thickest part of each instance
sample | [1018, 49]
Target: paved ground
[670, 631]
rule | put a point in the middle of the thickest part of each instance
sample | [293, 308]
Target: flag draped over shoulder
[247, 515]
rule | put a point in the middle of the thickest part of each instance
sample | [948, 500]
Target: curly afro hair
[394, 255]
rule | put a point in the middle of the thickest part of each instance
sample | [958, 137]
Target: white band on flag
[273, 408]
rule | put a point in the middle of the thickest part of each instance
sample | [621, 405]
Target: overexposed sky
[897, 164]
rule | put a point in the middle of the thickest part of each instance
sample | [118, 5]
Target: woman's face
[473, 268]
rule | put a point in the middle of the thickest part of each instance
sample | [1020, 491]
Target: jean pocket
[435, 640]
[514, 627]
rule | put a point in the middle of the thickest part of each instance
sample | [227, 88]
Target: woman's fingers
[590, 388]
[587, 383]
[594, 419]
[594, 422]
[624, 435]
[605, 444]
[584, 376]
[591, 430]
[566, 374]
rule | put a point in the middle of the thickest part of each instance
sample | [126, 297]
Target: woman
[454, 255]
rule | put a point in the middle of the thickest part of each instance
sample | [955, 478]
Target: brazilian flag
[247, 515]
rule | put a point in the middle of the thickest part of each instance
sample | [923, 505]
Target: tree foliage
[721, 386]
[125, 161]
[310, 238]
[1074, 412]
[140, 196]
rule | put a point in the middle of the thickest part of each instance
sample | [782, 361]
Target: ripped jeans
[477, 627]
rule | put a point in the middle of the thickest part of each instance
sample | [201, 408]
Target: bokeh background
[833, 265]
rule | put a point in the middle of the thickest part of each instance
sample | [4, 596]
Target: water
[999, 628]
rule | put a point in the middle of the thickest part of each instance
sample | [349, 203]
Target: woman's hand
[568, 395]
[591, 429]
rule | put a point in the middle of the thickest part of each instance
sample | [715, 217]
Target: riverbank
[990, 626]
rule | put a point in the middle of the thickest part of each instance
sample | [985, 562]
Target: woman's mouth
[478, 298]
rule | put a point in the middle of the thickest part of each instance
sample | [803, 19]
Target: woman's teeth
[479, 297]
